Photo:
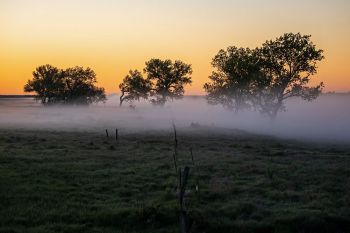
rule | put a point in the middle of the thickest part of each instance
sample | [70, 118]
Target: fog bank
[325, 119]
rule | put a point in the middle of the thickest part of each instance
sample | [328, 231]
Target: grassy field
[84, 182]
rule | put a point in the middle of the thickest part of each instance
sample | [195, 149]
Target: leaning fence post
[185, 221]
[175, 148]
[196, 171]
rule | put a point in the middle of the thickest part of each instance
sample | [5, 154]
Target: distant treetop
[74, 85]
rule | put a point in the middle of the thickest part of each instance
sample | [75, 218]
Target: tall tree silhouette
[168, 79]
[134, 87]
[265, 77]
[288, 62]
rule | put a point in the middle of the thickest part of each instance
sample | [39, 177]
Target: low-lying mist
[325, 119]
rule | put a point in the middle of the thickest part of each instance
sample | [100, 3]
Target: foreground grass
[84, 182]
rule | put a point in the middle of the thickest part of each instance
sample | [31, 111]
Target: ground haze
[325, 119]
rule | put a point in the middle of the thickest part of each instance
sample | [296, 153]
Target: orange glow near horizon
[112, 37]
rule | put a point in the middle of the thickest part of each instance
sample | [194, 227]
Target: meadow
[82, 181]
[174, 116]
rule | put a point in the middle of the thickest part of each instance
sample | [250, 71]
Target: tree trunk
[163, 100]
[121, 99]
[274, 110]
[273, 115]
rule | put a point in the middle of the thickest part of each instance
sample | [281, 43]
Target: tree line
[261, 78]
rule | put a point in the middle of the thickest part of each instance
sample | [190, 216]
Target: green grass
[84, 182]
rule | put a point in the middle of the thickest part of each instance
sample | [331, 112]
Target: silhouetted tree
[80, 86]
[48, 84]
[134, 87]
[235, 79]
[168, 79]
[73, 85]
[265, 77]
[288, 62]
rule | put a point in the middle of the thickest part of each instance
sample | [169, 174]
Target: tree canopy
[164, 80]
[134, 87]
[73, 85]
[168, 79]
[264, 77]
[48, 84]
[235, 78]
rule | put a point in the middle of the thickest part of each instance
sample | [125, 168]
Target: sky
[114, 36]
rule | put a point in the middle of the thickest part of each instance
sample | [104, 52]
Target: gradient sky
[113, 36]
